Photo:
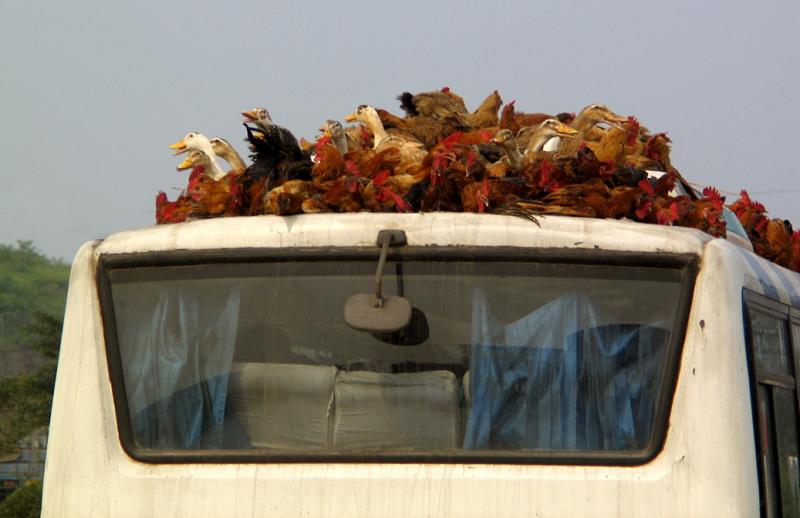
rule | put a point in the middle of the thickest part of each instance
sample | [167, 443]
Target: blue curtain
[177, 350]
[564, 377]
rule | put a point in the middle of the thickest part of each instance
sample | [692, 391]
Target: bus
[437, 364]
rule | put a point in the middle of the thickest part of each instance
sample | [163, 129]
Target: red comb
[711, 193]
[647, 187]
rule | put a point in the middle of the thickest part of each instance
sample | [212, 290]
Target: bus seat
[417, 410]
[283, 405]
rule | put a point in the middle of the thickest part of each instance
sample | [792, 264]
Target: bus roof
[426, 229]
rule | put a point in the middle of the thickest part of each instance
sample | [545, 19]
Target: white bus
[584, 367]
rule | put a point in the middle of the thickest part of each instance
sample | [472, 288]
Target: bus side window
[774, 349]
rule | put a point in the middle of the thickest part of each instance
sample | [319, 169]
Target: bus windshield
[517, 359]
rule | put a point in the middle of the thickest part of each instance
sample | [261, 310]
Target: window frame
[790, 316]
[685, 265]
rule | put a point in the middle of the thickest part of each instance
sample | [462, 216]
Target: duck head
[258, 116]
[361, 114]
[334, 129]
[596, 113]
[191, 142]
[194, 159]
[555, 128]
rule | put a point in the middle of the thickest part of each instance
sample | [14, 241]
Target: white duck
[197, 141]
[225, 151]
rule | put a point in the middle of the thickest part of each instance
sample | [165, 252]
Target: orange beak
[562, 130]
[351, 118]
[179, 147]
[614, 120]
[250, 116]
[186, 164]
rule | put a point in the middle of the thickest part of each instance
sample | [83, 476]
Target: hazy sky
[93, 92]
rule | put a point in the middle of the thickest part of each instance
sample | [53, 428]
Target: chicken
[221, 197]
[342, 194]
[790, 257]
[485, 116]
[778, 236]
[386, 192]
[449, 166]
[276, 154]
[443, 105]
[510, 119]
[276, 158]
[751, 214]
[491, 194]
[289, 197]
[588, 198]
[652, 154]
[617, 142]
[634, 203]
[422, 128]
[330, 149]
[173, 211]
[442, 157]
[705, 213]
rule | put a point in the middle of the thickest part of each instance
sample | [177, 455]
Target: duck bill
[250, 116]
[615, 120]
[565, 131]
[350, 118]
[186, 164]
[179, 147]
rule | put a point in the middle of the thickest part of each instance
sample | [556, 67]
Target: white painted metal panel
[707, 466]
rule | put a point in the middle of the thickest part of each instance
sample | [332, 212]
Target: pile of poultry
[439, 156]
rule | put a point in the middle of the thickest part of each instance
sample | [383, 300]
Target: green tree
[25, 502]
[25, 400]
[29, 282]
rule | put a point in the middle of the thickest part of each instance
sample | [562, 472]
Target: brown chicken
[751, 214]
[588, 198]
[705, 213]
[288, 198]
[421, 127]
[512, 120]
[485, 116]
[449, 166]
[443, 105]
[329, 161]
[173, 211]
[211, 197]
[617, 142]
[491, 194]
[343, 194]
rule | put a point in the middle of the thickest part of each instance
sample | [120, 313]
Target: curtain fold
[177, 351]
[564, 377]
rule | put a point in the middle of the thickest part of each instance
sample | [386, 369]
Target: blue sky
[94, 92]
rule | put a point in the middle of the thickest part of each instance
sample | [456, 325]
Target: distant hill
[29, 281]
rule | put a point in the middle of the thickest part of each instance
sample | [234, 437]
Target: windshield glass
[499, 356]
